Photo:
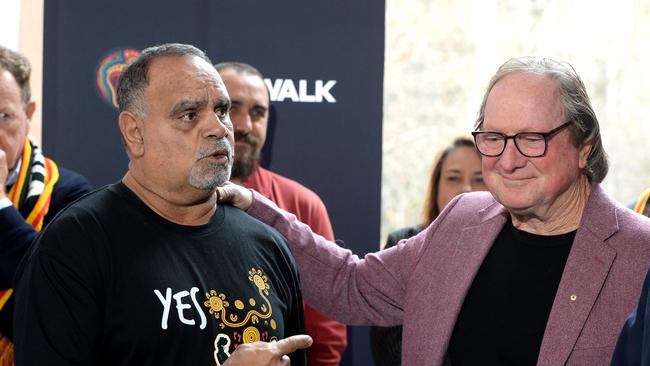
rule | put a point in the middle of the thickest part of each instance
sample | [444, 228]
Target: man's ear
[585, 152]
[30, 109]
[131, 130]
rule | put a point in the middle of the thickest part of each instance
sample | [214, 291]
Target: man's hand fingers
[239, 196]
[272, 353]
[285, 361]
[290, 344]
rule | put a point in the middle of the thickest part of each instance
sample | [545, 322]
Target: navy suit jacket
[16, 235]
[633, 347]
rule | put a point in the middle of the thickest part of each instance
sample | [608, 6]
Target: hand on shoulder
[237, 195]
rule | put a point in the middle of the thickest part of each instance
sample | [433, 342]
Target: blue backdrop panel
[332, 146]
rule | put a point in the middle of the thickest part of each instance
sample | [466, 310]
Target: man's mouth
[244, 146]
[243, 142]
[516, 180]
[221, 155]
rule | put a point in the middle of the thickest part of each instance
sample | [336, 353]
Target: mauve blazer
[422, 282]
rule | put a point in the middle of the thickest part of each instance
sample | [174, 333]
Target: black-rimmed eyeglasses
[529, 144]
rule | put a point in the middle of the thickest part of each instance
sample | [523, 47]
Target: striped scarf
[31, 195]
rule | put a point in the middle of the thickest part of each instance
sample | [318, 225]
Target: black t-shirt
[110, 282]
[504, 314]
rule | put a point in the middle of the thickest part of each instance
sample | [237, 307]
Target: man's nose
[242, 123]
[511, 158]
[217, 126]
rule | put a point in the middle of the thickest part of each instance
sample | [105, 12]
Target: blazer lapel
[470, 250]
[587, 267]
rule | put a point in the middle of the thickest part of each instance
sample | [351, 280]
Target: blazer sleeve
[330, 336]
[334, 280]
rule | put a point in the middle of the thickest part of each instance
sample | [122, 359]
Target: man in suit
[541, 270]
[33, 188]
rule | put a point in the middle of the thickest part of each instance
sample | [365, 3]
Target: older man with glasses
[540, 270]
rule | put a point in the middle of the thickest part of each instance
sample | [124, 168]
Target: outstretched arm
[333, 279]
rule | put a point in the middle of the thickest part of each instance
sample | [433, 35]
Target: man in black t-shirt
[150, 271]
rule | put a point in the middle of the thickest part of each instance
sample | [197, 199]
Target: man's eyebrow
[188, 105]
[225, 102]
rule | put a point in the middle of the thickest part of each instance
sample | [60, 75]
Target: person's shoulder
[250, 228]
[609, 213]
[101, 200]
[69, 175]
[403, 233]
[291, 187]
[628, 218]
[70, 178]
[69, 187]
[237, 219]
[478, 198]
[623, 230]
[476, 202]
[469, 209]
[78, 228]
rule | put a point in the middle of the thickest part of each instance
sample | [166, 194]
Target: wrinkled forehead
[527, 100]
[7, 80]
[171, 74]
